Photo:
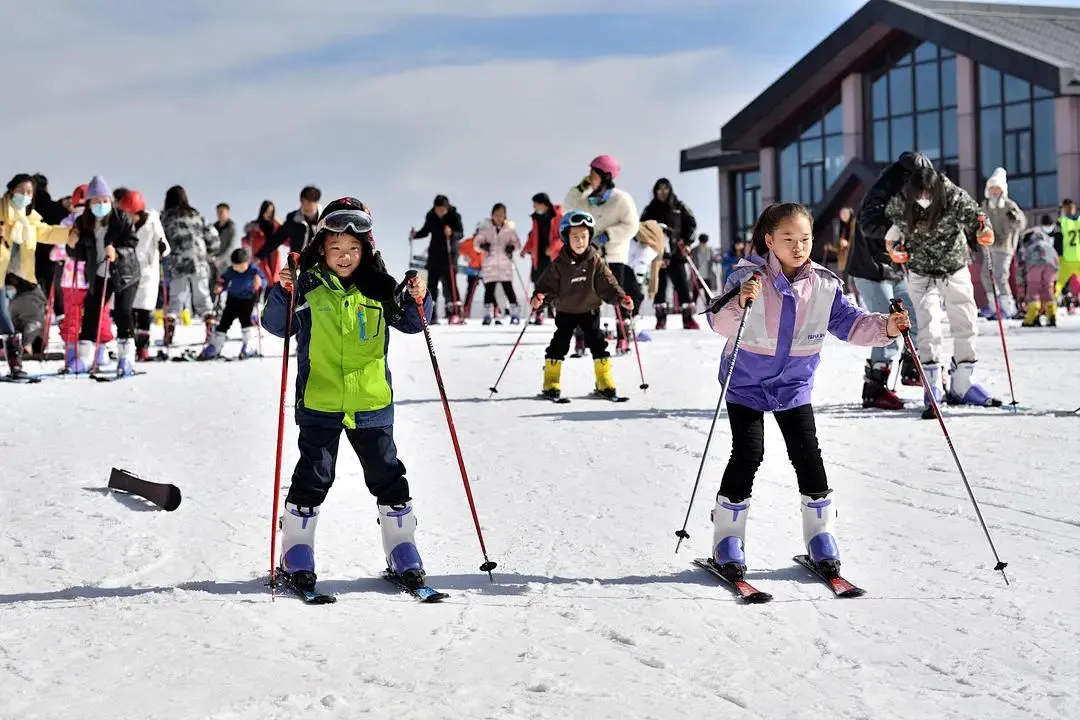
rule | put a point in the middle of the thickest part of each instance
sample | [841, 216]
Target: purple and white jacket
[785, 330]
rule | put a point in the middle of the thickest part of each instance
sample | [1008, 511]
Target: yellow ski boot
[1031, 318]
[185, 317]
[605, 380]
[552, 376]
[1050, 309]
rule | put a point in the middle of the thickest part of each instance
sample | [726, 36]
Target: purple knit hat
[98, 188]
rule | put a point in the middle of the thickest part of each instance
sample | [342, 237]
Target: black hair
[924, 180]
[440, 201]
[498, 206]
[770, 219]
[703, 238]
[266, 205]
[240, 255]
[223, 205]
[311, 194]
[1046, 220]
[176, 198]
[19, 180]
[119, 193]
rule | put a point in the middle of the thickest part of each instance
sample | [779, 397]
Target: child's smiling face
[342, 253]
[579, 239]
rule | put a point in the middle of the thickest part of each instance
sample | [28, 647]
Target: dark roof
[711, 155]
[1040, 44]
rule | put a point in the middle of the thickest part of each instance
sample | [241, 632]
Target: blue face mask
[21, 202]
[100, 210]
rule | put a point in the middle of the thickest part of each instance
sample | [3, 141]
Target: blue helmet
[576, 218]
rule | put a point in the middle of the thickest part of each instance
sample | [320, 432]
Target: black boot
[909, 374]
[13, 349]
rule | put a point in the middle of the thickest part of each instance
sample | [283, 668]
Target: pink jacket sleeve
[726, 322]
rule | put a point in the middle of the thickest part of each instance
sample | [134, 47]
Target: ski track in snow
[112, 608]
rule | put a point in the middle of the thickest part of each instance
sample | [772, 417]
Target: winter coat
[616, 220]
[151, 235]
[125, 270]
[498, 246]
[341, 334]
[1008, 221]
[785, 330]
[551, 244]
[297, 231]
[1038, 249]
[439, 246]
[27, 310]
[227, 242]
[187, 232]
[677, 217]
[647, 255]
[942, 250]
[579, 285]
[242, 286]
[255, 240]
[22, 233]
[473, 258]
[702, 257]
[867, 257]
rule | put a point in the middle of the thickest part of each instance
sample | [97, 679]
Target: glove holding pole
[896, 306]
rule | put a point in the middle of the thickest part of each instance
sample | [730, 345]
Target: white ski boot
[298, 544]
[213, 346]
[125, 357]
[729, 536]
[398, 526]
[819, 536]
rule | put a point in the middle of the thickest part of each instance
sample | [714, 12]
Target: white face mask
[1048, 229]
[923, 203]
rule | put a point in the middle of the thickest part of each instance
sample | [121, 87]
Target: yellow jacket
[27, 231]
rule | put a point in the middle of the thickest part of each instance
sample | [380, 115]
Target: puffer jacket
[552, 243]
[151, 235]
[1008, 221]
[867, 257]
[1038, 249]
[22, 233]
[579, 285]
[616, 219]
[121, 236]
[498, 244]
[187, 232]
[942, 250]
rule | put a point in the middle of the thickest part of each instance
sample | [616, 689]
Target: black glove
[371, 277]
[485, 246]
[509, 252]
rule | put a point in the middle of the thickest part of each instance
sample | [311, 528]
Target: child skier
[797, 304]
[345, 302]
[242, 283]
[1069, 273]
[1040, 261]
[578, 281]
[498, 240]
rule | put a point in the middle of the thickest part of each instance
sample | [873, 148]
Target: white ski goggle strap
[579, 219]
[350, 221]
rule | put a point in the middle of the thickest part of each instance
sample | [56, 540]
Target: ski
[749, 594]
[556, 400]
[423, 593]
[840, 587]
[24, 380]
[610, 398]
[310, 597]
[165, 496]
[114, 378]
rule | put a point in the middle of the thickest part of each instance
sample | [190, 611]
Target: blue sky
[483, 100]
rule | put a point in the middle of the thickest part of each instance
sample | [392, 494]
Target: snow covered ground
[112, 609]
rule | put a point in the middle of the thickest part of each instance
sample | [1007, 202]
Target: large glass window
[913, 107]
[746, 202]
[1016, 132]
[810, 163]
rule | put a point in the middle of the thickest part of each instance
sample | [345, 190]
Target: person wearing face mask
[544, 241]
[21, 231]
[105, 240]
[930, 220]
[1008, 221]
[1039, 263]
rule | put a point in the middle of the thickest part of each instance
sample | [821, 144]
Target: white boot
[819, 531]
[213, 346]
[86, 355]
[729, 532]
[398, 526]
[125, 363]
[298, 539]
[248, 349]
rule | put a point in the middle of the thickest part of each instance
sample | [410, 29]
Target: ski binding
[423, 593]
[840, 587]
[748, 593]
[310, 597]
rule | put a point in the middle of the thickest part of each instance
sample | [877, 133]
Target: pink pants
[73, 285]
[1039, 283]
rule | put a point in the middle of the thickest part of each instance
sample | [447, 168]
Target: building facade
[974, 86]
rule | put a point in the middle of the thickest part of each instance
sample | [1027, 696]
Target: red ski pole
[455, 317]
[630, 331]
[101, 312]
[57, 272]
[488, 565]
[1001, 326]
[293, 260]
[524, 326]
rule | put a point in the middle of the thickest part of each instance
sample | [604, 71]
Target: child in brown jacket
[577, 283]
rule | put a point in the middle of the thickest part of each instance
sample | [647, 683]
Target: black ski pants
[624, 275]
[122, 314]
[748, 450]
[440, 275]
[675, 273]
[508, 289]
[236, 309]
[566, 323]
[375, 448]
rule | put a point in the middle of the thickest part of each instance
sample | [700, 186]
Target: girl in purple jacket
[796, 305]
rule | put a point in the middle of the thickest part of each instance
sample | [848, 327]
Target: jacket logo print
[815, 336]
[578, 279]
[363, 324]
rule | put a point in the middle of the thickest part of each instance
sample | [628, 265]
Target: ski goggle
[356, 222]
[578, 219]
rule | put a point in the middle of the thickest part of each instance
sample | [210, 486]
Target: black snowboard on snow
[165, 496]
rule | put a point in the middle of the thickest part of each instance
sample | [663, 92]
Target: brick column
[851, 97]
[727, 213]
[967, 113]
[1067, 137]
[767, 165]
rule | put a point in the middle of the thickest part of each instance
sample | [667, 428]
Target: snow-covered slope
[109, 609]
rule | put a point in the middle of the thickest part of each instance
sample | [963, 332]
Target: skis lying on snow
[743, 589]
[840, 587]
[165, 496]
[423, 593]
[310, 597]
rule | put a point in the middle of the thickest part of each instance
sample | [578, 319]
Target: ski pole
[521, 280]
[488, 565]
[293, 260]
[57, 271]
[452, 262]
[682, 534]
[524, 326]
[101, 312]
[630, 331]
[897, 305]
[1001, 325]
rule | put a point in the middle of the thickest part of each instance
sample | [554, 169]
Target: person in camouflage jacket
[931, 221]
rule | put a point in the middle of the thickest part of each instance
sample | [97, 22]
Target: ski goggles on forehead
[579, 219]
[356, 222]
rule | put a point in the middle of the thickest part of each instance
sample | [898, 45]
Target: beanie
[98, 188]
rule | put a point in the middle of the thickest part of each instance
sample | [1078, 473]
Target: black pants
[440, 275]
[236, 309]
[675, 273]
[542, 262]
[748, 450]
[624, 275]
[508, 288]
[122, 313]
[314, 473]
[473, 282]
[566, 323]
